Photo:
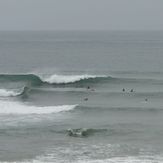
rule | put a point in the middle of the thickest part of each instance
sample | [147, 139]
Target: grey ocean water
[61, 97]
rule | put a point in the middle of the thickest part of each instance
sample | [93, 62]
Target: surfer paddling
[88, 87]
[132, 90]
[86, 99]
[91, 89]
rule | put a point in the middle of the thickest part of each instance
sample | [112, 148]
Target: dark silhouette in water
[88, 87]
[131, 90]
[86, 99]
[123, 90]
[146, 99]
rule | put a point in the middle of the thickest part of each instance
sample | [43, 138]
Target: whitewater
[8, 107]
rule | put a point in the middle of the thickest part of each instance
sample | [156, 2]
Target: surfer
[146, 99]
[70, 132]
[88, 87]
[123, 90]
[77, 132]
[131, 90]
[86, 99]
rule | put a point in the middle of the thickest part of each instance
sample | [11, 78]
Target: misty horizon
[104, 15]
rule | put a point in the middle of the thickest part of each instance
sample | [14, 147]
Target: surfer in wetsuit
[123, 90]
[85, 99]
[88, 87]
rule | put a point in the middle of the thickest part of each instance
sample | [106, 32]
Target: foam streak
[8, 107]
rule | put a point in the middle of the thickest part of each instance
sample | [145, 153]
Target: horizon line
[88, 30]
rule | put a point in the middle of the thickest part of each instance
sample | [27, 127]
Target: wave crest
[52, 79]
[65, 79]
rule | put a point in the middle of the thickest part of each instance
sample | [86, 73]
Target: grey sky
[81, 14]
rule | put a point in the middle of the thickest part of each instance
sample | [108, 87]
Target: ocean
[81, 96]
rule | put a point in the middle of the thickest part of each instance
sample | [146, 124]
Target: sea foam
[10, 107]
[64, 79]
[129, 159]
[9, 93]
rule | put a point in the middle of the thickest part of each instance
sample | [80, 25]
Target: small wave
[121, 109]
[83, 132]
[8, 107]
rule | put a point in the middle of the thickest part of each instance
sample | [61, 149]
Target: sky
[81, 15]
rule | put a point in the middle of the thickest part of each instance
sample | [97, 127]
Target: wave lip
[65, 79]
[8, 107]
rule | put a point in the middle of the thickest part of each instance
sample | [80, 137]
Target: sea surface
[81, 96]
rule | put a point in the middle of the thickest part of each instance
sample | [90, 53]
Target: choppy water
[81, 97]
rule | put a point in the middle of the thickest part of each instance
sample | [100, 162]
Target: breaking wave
[52, 79]
[65, 79]
[12, 92]
[8, 107]
[8, 93]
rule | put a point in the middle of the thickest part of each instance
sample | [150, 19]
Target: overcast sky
[81, 14]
